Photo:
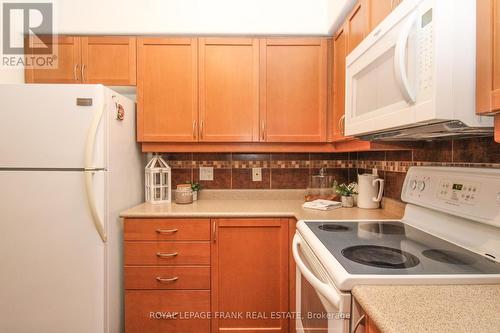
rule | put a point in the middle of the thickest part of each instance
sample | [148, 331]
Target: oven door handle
[324, 289]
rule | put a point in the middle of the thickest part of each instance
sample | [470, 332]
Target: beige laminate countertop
[419, 309]
[255, 208]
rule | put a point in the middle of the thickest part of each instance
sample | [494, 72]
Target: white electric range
[450, 234]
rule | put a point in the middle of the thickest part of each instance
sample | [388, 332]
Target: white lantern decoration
[158, 181]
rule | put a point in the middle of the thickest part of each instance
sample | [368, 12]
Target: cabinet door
[250, 274]
[357, 25]
[497, 128]
[293, 89]
[68, 67]
[488, 57]
[378, 11]
[339, 55]
[167, 85]
[109, 60]
[229, 89]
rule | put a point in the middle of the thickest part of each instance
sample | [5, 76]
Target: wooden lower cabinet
[167, 253]
[169, 277]
[161, 311]
[497, 128]
[370, 326]
[232, 277]
[250, 274]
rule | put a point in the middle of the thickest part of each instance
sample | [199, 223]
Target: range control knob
[421, 185]
[413, 184]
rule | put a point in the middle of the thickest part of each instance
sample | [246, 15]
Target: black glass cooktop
[396, 248]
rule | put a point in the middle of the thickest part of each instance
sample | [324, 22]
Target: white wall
[250, 17]
[194, 16]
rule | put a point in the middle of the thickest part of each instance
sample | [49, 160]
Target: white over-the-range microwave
[413, 76]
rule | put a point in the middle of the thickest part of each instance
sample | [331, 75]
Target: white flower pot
[195, 195]
[347, 201]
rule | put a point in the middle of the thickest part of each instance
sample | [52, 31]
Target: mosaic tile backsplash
[292, 171]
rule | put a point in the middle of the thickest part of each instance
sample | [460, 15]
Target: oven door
[321, 307]
[389, 75]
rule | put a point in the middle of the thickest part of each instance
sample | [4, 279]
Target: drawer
[167, 253]
[144, 310]
[174, 277]
[167, 229]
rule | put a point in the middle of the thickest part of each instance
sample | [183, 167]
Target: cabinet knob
[166, 255]
[75, 72]
[167, 280]
[341, 125]
[83, 71]
[166, 231]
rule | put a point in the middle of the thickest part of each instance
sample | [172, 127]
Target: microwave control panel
[426, 53]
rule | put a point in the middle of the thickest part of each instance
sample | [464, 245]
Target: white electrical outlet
[257, 174]
[206, 173]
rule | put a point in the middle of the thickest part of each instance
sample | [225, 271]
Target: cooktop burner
[395, 248]
[449, 257]
[380, 256]
[333, 227]
[383, 228]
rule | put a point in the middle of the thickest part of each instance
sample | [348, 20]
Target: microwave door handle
[400, 63]
[324, 289]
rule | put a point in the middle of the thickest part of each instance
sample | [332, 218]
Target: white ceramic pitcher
[370, 194]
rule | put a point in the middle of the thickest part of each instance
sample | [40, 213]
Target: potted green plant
[347, 193]
[195, 187]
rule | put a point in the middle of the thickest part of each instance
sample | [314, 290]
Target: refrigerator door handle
[89, 172]
[99, 225]
[89, 145]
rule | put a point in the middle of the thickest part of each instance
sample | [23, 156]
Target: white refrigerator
[69, 163]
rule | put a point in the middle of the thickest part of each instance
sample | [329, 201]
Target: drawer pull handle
[166, 255]
[166, 231]
[167, 280]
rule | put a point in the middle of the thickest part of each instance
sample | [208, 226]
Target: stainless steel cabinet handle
[360, 321]
[166, 231]
[194, 129]
[75, 72]
[83, 71]
[167, 280]
[341, 124]
[214, 231]
[263, 130]
[201, 129]
[166, 255]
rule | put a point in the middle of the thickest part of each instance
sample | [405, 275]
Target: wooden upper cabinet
[488, 56]
[339, 55]
[167, 84]
[228, 89]
[67, 69]
[378, 11]
[109, 60]
[293, 89]
[357, 25]
[250, 274]
[104, 60]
